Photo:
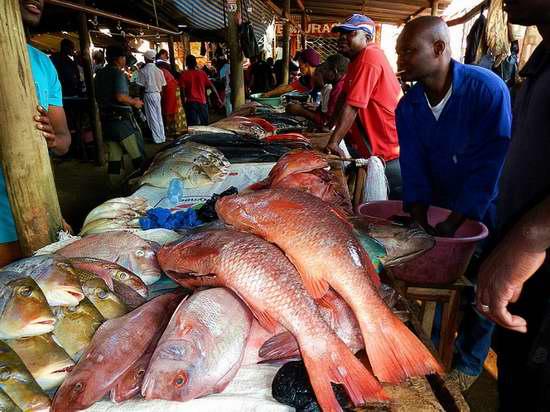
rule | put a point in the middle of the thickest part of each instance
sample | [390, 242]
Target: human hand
[333, 148]
[501, 280]
[44, 125]
[445, 229]
[293, 108]
[138, 103]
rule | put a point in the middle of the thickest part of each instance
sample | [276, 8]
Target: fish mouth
[68, 296]
[53, 375]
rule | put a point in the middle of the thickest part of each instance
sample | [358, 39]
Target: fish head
[62, 285]
[142, 260]
[130, 279]
[129, 384]
[82, 313]
[77, 392]
[24, 310]
[106, 301]
[177, 370]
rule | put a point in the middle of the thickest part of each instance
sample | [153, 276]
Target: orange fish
[322, 247]
[264, 278]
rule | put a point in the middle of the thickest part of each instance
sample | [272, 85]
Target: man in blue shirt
[454, 128]
[50, 119]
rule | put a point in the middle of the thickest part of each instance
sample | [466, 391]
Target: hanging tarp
[209, 15]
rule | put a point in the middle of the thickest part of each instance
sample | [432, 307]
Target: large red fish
[264, 278]
[117, 344]
[325, 252]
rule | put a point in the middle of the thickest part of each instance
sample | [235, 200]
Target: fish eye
[78, 387]
[63, 265]
[140, 253]
[180, 380]
[122, 275]
[140, 373]
[102, 294]
[71, 308]
[25, 291]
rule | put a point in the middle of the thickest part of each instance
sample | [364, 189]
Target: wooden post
[93, 110]
[25, 161]
[286, 42]
[378, 35]
[235, 59]
[186, 46]
[171, 55]
[304, 29]
[435, 7]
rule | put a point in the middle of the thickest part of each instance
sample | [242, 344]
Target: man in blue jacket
[454, 128]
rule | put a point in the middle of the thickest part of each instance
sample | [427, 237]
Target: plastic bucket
[268, 101]
[449, 258]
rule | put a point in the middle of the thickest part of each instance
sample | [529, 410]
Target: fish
[106, 302]
[6, 404]
[256, 339]
[129, 384]
[296, 161]
[24, 310]
[75, 327]
[118, 208]
[242, 126]
[336, 313]
[260, 274]
[320, 243]
[117, 344]
[122, 247]
[201, 349]
[59, 285]
[17, 382]
[47, 362]
[114, 271]
[207, 130]
[109, 225]
[402, 242]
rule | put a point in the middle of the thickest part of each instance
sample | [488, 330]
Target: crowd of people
[455, 140]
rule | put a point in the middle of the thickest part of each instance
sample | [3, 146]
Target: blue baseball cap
[356, 22]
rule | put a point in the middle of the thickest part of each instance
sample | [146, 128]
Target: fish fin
[340, 366]
[262, 184]
[281, 346]
[265, 320]
[394, 352]
[316, 287]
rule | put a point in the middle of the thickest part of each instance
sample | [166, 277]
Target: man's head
[149, 56]
[528, 12]
[356, 32]
[336, 67]
[66, 47]
[423, 48]
[162, 55]
[31, 11]
[191, 62]
[308, 60]
[116, 56]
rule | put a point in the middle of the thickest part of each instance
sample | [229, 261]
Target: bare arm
[215, 92]
[344, 123]
[511, 264]
[279, 90]
[126, 100]
[53, 125]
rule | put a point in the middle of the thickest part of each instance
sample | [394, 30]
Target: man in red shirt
[372, 90]
[194, 83]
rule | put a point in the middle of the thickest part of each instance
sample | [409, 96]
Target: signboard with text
[313, 29]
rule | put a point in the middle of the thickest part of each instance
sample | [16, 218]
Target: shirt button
[455, 159]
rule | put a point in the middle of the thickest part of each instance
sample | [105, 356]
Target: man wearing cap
[372, 90]
[152, 80]
[308, 60]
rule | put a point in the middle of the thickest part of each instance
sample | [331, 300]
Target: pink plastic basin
[449, 258]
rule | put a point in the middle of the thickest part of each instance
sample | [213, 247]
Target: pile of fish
[196, 165]
[121, 213]
[308, 171]
[247, 126]
[50, 309]
[289, 256]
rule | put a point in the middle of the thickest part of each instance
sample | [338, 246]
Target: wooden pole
[235, 59]
[435, 7]
[286, 42]
[378, 34]
[186, 45]
[93, 110]
[304, 28]
[25, 161]
[171, 55]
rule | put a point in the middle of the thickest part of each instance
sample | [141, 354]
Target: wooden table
[424, 299]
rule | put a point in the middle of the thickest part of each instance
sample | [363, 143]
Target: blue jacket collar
[418, 91]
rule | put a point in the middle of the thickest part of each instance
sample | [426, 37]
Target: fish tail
[337, 364]
[394, 352]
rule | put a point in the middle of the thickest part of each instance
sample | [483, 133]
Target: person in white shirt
[150, 77]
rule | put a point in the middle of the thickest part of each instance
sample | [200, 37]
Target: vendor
[454, 129]
[308, 60]
[367, 117]
[50, 119]
[332, 73]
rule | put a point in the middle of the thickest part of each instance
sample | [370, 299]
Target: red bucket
[449, 258]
